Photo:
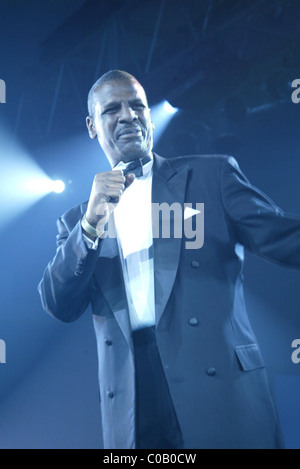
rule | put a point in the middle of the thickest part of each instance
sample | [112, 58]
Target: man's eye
[110, 110]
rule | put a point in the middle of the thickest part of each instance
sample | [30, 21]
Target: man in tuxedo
[179, 364]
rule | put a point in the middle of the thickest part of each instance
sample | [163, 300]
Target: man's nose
[127, 114]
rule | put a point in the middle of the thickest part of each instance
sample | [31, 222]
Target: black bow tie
[136, 166]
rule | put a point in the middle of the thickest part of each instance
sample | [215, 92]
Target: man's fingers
[114, 190]
[109, 177]
[106, 192]
[114, 176]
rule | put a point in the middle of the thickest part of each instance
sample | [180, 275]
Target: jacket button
[195, 264]
[193, 322]
[108, 342]
[110, 394]
[211, 371]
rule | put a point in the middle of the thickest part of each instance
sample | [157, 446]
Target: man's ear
[90, 126]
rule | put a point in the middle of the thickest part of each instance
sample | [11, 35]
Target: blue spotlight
[58, 186]
[41, 184]
[23, 182]
[169, 108]
[161, 114]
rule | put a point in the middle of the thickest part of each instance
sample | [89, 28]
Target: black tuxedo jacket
[211, 358]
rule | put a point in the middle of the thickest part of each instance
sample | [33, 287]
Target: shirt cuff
[91, 244]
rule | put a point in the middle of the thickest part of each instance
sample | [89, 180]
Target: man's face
[121, 121]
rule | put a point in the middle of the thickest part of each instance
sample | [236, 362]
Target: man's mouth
[130, 132]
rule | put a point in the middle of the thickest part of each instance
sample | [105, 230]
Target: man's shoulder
[209, 160]
[200, 161]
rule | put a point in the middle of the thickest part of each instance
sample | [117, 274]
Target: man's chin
[132, 152]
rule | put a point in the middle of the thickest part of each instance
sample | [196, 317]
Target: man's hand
[105, 195]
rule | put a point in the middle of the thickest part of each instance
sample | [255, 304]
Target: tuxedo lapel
[168, 187]
[109, 278]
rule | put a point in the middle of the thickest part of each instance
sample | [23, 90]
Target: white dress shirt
[133, 225]
[133, 222]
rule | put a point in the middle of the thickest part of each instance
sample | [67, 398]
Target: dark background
[228, 65]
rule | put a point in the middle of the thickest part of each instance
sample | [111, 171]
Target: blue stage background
[228, 66]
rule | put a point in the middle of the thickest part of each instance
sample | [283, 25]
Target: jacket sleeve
[65, 288]
[260, 225]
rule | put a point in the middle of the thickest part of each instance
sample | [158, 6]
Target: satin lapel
[168, 187]
[109, 278]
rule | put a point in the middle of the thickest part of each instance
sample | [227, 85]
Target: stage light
[23, 182]
[161, 115]
[169, 108]
[40, 185]
[58, 186]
